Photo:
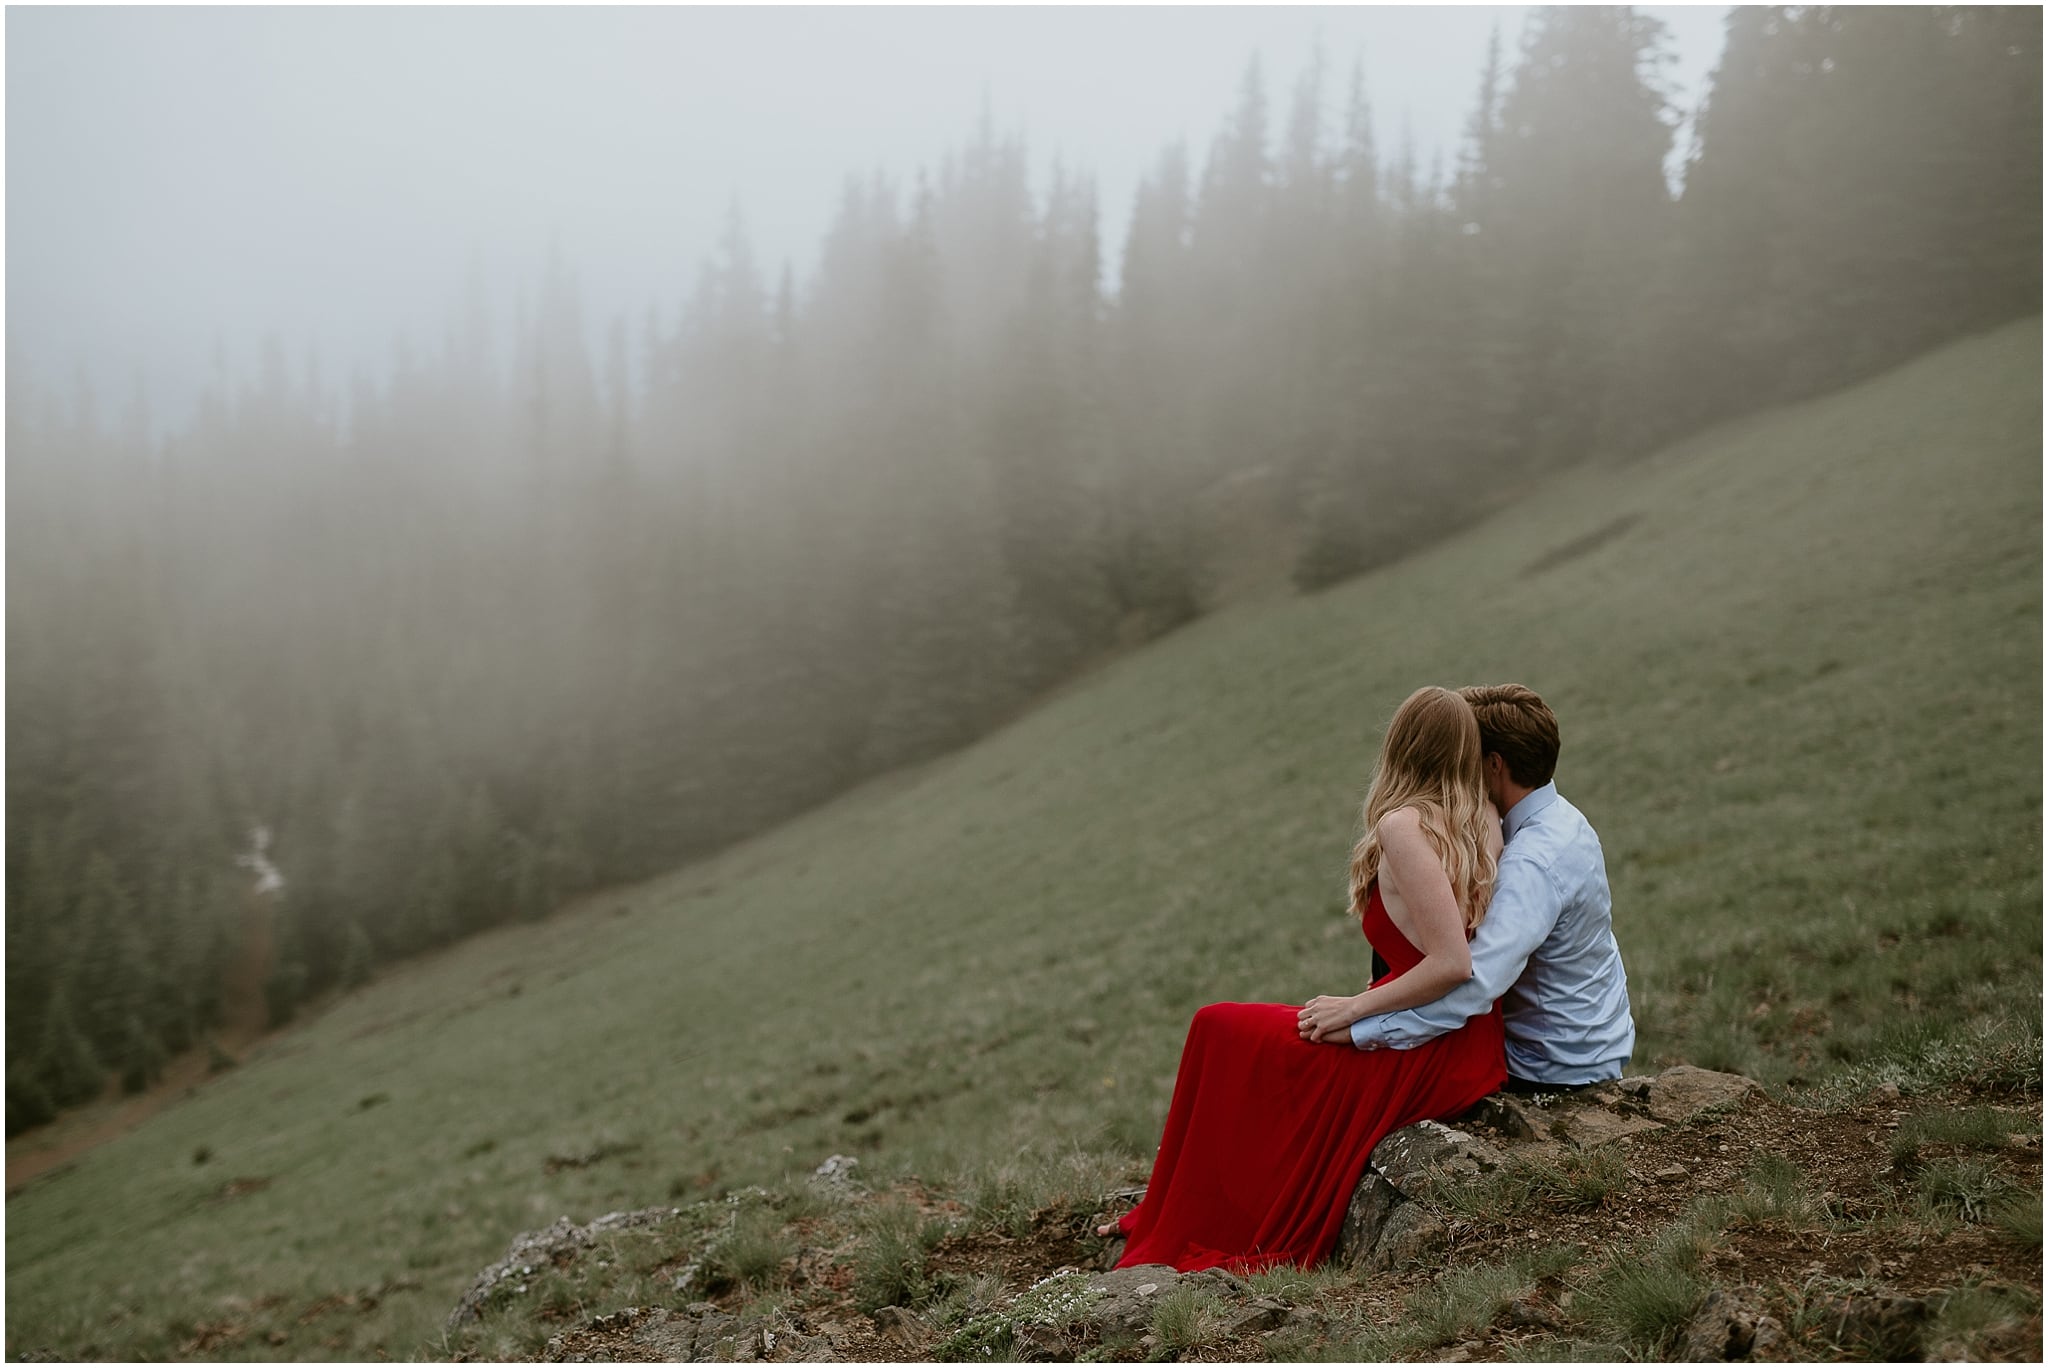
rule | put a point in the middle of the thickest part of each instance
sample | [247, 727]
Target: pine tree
[1335, 509]
[1475, 191]
[104, 958]
[358, 957]
[28, 1102]
[285, 987]
[1582, 201]
[142, 1056]
[65, 1063]
[1154, 562]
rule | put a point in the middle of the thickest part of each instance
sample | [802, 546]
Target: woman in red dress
[1270, 1126]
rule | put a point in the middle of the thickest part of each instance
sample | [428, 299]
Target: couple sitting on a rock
[1486, 895]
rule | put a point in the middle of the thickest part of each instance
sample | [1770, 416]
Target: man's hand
[1328, 1019]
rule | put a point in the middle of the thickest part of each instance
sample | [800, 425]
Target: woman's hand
[1329, 1018]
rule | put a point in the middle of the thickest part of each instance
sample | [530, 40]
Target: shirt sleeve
[1525, 907]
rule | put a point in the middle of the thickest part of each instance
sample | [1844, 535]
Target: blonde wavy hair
[1430, 762]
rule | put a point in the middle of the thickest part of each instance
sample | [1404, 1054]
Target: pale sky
[181, 176]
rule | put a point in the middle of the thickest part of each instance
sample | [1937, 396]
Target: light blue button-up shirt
[1546, 949]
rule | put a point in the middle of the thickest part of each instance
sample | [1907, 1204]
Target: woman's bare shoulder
[1401, 826]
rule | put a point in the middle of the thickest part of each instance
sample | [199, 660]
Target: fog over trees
[521, 623]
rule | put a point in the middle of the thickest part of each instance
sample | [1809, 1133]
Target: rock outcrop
[1732, 1325]
[1123, 1299]
[1385, 1229]
[535, 1249]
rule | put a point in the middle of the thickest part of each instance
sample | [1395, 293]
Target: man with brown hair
[1546, 948]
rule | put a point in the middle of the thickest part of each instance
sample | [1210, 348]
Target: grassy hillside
[1797, 665]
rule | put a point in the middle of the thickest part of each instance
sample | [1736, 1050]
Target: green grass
[1968, 1315]
[1968, 1188]
[1188, 1318]
[1580, 1180]
[1566, 1351]
[1978, 1128]
[1058, 1303]
[1800, 700]
[1644, 1305]
[892, 1262]
[751, 1254]
[1301, 1286]
[1463, 1302]
[1644, 1297]
[1998, 1053]
[1776, 1193]
[967, 1298]
[2018, 1215]
[1009, 1192]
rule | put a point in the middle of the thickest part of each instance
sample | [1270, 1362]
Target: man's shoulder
[1561, 814]
[1552, 837]
[1565, 813]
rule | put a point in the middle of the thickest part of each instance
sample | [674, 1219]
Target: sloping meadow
[1797, 665]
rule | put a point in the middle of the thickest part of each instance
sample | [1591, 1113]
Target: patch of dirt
[1050, 1245]
[209, 1336]
[240, 1187]
[555, 1163]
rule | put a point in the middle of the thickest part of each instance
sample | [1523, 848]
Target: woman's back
[1388, 882]
[1390, 943]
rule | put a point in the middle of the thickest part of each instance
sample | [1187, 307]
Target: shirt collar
[1532, 803]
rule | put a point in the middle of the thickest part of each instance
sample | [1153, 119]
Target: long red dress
[1268, 1133]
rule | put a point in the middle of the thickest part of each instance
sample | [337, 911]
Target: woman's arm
[1411, 868]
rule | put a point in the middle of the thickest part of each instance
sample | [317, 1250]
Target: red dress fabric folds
[1268, 1133]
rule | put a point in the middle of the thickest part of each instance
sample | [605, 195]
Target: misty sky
[178, 178]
